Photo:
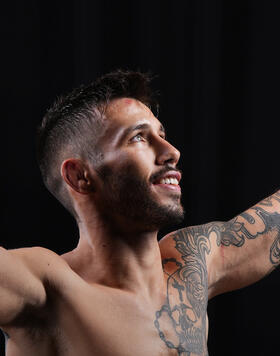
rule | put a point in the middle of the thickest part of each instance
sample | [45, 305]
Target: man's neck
[130, 262]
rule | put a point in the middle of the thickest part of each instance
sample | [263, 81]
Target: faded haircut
[75, 122]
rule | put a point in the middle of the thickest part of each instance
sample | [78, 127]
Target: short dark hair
[73, 124]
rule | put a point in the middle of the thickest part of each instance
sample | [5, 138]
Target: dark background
[218, 74]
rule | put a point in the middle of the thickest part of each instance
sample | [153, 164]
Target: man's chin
[170, 215]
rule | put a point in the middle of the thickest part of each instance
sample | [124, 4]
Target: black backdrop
[218, 72]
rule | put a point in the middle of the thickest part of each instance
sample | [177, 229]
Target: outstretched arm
[20, 287]
[233, 254]
[246, 248]
[24, 275]
[203, 261]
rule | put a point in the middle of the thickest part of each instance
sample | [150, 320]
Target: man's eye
[137, 138]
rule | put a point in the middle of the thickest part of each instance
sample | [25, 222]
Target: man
[104, 156]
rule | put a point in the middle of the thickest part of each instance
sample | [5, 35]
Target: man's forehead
[126, 115]
[127, 111]
[127, 106]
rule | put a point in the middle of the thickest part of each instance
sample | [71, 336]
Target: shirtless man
[104, 156]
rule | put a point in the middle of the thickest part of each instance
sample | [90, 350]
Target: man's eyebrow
[143, 126]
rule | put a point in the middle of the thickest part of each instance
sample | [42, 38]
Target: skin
[120, 292]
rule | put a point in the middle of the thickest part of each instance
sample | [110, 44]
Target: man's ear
[77, 175]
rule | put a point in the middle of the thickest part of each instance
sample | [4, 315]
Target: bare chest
[106, 323]
[116, 326]
[89, 321]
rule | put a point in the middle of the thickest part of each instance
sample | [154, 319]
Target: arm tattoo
[187, 295]
[181, 321]
[235, 232]
[259, 220]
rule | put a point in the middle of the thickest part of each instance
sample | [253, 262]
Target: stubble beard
[131, 198]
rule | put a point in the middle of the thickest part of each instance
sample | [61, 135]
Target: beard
[128, 196]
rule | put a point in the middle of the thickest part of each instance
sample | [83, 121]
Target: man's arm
[20, 284]
[234, 254]
[246, 248]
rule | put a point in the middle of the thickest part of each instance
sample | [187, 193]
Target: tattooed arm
[234, 253]
[246, 248]
[202, 261]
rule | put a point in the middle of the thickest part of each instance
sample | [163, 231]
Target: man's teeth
[169, 181]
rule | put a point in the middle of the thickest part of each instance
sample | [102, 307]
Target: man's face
[139, 178]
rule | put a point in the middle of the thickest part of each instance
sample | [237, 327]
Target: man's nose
[167, 154]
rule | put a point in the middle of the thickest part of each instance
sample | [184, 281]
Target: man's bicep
[246, 249]
[233, 253]
[19, 286]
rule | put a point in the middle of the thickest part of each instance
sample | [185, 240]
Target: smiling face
[139, 178]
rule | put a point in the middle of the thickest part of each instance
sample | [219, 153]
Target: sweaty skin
[120, 292]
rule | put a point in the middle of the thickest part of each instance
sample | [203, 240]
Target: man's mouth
[169, 179]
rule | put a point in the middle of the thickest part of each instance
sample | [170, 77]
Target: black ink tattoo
[269, 200]
[235, 233]
[187, 295]
[181, 321]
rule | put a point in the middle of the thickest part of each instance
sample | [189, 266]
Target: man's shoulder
[36, 253]
[190, 240]
[168, 245]
[39, 260]
[169, 241]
